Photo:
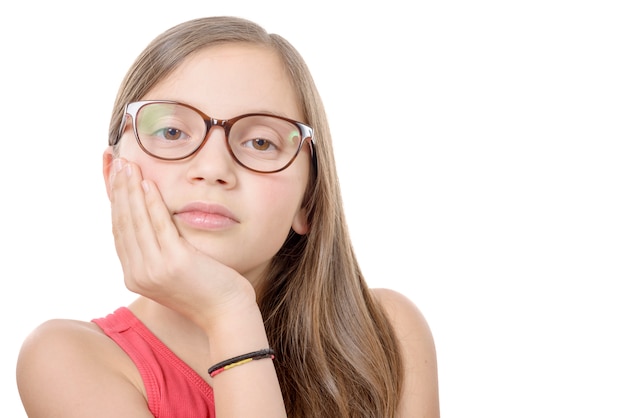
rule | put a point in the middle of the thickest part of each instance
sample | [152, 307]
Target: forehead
[231, 79]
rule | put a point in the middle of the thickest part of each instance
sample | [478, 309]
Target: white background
[481, 149]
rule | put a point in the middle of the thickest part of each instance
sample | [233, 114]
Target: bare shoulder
[406, 318]
[421, 388]
[71, 368]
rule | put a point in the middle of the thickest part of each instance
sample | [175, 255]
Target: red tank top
[174, 389]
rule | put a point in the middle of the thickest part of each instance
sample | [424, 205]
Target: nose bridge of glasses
[211, 122]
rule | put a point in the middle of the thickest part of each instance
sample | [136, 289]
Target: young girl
[229, 226]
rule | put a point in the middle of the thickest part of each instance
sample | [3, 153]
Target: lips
[206, 216]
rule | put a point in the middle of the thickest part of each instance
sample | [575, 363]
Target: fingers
[121, 217]
[135, 237]
[164, 229]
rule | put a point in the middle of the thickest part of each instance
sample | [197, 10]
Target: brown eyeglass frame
[131, 109]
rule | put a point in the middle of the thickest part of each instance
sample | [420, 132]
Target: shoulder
[420, 393]
[58, 339]
[54, 341]
[404, 315]
[63, 366]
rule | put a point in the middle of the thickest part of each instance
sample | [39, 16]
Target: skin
[193, 279]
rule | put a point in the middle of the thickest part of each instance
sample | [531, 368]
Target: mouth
[206, 216]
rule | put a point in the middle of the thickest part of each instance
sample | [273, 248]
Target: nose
[213, 163]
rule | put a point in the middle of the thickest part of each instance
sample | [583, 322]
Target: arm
[161, 265]
[71, 369]
[420, 396]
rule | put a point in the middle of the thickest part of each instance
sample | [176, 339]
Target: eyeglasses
[170, 130]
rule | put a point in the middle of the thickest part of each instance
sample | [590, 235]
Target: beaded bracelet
[239, 360]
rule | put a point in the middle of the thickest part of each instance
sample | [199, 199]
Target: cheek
[150, 167]
[281, 199]
[161, 173]
[167, 180]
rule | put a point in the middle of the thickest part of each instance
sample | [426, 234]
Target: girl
[228, 224]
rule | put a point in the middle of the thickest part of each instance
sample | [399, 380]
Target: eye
[167, 123]
[259, 144]
[171, 134]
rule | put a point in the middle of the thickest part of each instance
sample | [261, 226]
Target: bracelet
[239, 360]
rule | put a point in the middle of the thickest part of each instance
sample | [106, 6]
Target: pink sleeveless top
[174, 389]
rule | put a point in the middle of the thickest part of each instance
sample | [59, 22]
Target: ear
[107, 165]
[300, 224]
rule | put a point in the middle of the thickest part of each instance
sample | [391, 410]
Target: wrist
[240, 332]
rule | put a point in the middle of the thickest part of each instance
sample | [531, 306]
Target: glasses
[174, 131]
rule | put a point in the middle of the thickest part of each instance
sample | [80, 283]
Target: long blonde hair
[337, 355]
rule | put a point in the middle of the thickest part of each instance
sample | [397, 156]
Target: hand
[159, 263]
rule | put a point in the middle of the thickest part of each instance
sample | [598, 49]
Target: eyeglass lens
[259, 142]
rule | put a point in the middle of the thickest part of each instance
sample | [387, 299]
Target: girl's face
[239, 217]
